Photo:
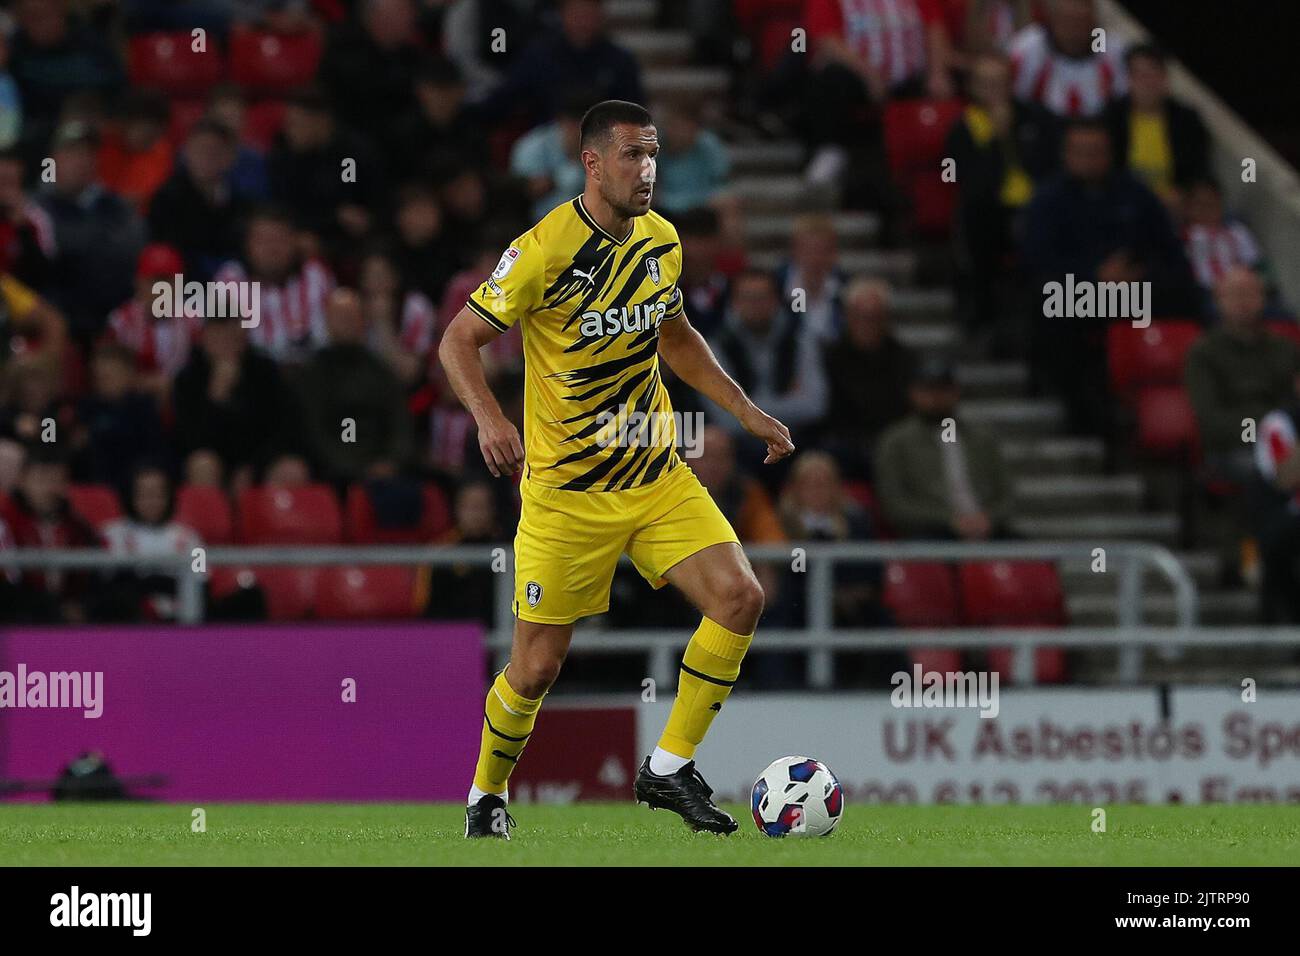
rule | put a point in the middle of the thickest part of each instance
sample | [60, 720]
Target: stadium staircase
[1064, 490]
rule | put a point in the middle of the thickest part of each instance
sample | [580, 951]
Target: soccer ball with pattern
[797, 796]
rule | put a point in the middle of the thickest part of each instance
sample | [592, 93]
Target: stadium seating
[266, 62]
[1015, 594]
[915, 132]
[169, 63]
[924, 594]
[290, 592]
[1166, 423]
[97, 504]
[207, 510]
[306, 515]
[353, 593]
[1155, 355]
[262, 123]
[360, 526]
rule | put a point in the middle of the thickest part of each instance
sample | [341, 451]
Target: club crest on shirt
[532, 593]
[652, 267]
[506, 264]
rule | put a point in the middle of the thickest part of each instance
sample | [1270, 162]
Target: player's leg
[687, 541]
[509, 713]
[720, 583]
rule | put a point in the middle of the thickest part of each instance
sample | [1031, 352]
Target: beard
[627, 207]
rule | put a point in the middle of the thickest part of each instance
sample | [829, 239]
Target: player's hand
[502, 450]
[777, 437]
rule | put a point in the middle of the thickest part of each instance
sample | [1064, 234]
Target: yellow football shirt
[597, 415]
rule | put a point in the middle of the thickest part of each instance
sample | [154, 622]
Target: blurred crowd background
[856, 291]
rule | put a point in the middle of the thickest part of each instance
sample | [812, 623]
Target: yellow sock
[710, 667]
[507, 723]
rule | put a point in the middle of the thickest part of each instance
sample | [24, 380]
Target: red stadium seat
[262, 123]
[915, 131]
[291, 593]
[273, 62]
[921, 593]
[97, 504]
[1011, 594]
[207, 510]
[1285, 328]
[1155, 355]
[1015, 594]
[185, 113]
[1166, 423]
[924, 594]
[351, 593]
[306, 515]
[361, 527]
[169, 62]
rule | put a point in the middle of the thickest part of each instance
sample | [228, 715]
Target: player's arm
[458, 352]
[690, 357]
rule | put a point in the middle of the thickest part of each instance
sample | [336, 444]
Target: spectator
[52, 57]
[401, 322]
[465, 592]
[27, 248]
[38, 515]
[468, 33]
[117, 425]
[704, 281]
[160, 343]
[327, 177]
[979, 27]
[505, 353]
[442, 124]
[815, 507]
[1002, 146]
[148, 530]
[12, 456]
[1096, 224]
[196, 210]
[98, 235]
[32, 409]
[292, 286]
[811, 279]
[938, 475]
[1237, 371]
[1274, 497]
[248, 177]
[426, 251]
[868, 372]
[1161, 140]
[29, 325]
[778, 364]
[1055, 66]
[1215, 243]
[234, 414]
[11, 101]
[135, 157]
[546, 158]
[369, 66]
[355, 415]
[693, 161]
[580, 55]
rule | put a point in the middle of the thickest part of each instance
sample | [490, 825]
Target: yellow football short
[568, 542]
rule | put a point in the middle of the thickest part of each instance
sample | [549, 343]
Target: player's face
[628, 169]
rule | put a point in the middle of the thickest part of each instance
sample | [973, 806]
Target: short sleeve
[513, 289]
[674, 300]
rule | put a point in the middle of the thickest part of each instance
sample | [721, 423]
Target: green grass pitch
[618, 834]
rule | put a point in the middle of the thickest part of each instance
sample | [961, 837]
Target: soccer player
[594, 285]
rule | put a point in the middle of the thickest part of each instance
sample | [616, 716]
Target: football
[797, 796]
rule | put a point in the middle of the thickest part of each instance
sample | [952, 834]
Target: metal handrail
[1128, 560]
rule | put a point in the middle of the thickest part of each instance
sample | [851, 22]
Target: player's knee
[533, 675]
[742, 603]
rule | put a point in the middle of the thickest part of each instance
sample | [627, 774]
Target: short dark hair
[1147, 51]
[1094, 124]
[599, 121]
